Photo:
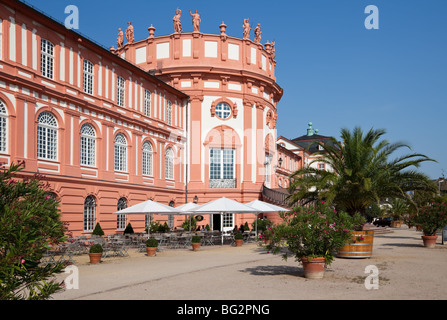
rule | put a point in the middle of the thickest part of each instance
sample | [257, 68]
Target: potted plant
[151, 246]
[95, 253]
[238, 239]
[195, 242]
[431, 218]
[312, 235]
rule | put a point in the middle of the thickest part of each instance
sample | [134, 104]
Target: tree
[359, 173]
[29, 222]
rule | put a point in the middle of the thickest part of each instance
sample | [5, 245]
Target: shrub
[96, 248]
[98, 230]
[238, 236]
[29, 222]
[129, 229]
[314, 231]
[151, 242]
[432, 217]
[196, 239]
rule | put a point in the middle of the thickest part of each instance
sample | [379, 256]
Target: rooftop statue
[129, 33]
[258, 33]
[247, 29]
[195, 20]
[177, 22]
[120, 39]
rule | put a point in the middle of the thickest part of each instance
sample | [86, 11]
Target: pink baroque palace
[175, 118]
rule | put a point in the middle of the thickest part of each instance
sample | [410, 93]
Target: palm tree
[359, 173]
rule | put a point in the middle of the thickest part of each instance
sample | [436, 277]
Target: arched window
[46, 58]
[88, 77]
[3, 127]
[89, 213]
[47, 136]
[121, 218]
[223, 110]
[169, 164]
[147, 159]
[88, 145]
[120, 152]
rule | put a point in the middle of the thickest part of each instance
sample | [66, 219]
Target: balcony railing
[274, 196]
[222, 183]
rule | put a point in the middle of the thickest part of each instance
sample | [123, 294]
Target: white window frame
[88, 76]
[120, 153]
[223, 111]
[3, 127]
[89, 213]
[120, 91]
[88, 145]
[121, 219]
[169, 164]
[147, 103]
[46, 58]
[222, 164]
[147, 159]
[47, 136]
[169, 113]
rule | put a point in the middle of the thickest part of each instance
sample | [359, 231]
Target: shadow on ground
[274, 270]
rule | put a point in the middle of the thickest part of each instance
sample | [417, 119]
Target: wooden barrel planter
[362, 246]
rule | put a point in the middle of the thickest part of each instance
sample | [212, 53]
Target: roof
[308, 142]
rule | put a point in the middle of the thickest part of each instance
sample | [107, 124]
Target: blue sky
[335, 73]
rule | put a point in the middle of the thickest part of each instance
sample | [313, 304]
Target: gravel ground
[406, 271]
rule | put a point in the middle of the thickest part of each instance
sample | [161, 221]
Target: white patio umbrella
[224, 205]
[187, 210]
[264, 207]
[148, 207]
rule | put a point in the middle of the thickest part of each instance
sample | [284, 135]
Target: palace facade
[174, 118]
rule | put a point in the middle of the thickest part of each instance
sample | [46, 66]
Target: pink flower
[22, 261]
[47, 197]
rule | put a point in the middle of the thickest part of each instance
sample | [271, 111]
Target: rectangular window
[88, 77]
[169, 113]
[221, 163]
[147, 103]
[120, 91]
[46, 58]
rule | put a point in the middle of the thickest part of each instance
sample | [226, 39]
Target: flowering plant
[314, 231]
[267, 234]
[432, 217]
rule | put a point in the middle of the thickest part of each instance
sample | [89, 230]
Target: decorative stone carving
[177, 22]
[129, 33]
[247, 29]
[223, 35]
[258, 33]
[151, 30]
[195, 20]
[120, 39]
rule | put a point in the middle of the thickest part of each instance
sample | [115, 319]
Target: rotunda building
[232, 109]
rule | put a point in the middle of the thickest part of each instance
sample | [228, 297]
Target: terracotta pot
[429, 241]
[313, 267]
[239, 242]
[95, 257]
[151, 251]
[195, 246]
